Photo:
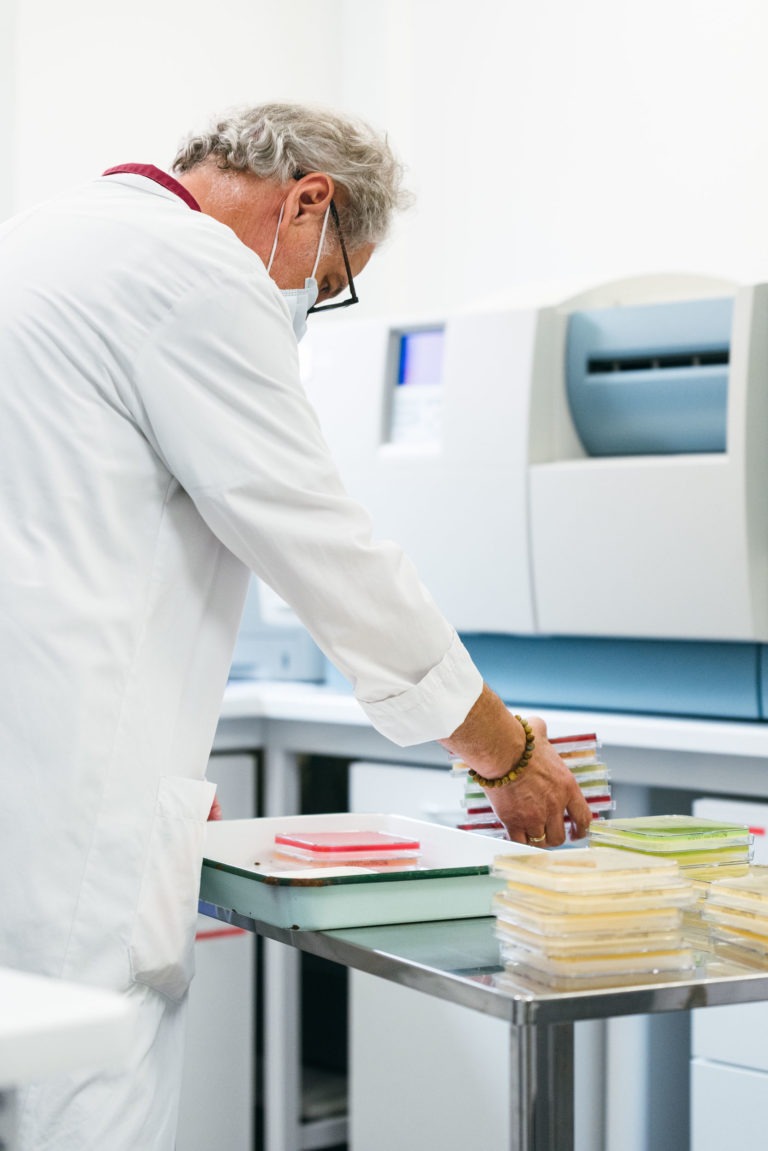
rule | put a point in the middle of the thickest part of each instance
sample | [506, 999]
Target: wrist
[520, 761]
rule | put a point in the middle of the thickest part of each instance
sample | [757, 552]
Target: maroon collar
[159, 177]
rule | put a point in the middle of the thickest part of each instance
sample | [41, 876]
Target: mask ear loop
[277, 232]
[320, 245]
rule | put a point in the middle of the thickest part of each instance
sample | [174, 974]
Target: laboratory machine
[580, 484]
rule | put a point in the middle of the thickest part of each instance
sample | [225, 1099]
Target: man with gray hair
[157, 446]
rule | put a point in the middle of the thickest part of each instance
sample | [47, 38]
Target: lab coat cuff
[433, 708]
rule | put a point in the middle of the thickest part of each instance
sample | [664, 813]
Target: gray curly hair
[281, 142]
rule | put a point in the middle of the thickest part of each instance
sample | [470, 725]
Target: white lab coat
[155, 445]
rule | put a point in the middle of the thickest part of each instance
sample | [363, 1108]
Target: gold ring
[537, 838]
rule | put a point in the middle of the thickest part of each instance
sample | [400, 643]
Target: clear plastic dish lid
[736, 918]
[576, 748]
[617, 921]
[585, 870]
[524, 977]
[699, 865]
[631, 963]
[672, 833]
[732, 950]
[520, 897]
[516, 943]
[709, 865]
[748, 892]
[748, 940]
[705, 864]
[567, 742]
[593, 775]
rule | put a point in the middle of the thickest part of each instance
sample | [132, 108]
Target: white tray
[452, 881]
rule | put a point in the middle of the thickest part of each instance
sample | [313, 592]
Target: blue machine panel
[651, 379]
[655, 677]
[763, 681]
[712, 680]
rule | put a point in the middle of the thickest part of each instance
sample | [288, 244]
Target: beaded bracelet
[523, 761]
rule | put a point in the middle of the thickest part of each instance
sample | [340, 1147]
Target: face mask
[300, 300]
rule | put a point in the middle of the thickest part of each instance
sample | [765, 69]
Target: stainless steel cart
[458, 960]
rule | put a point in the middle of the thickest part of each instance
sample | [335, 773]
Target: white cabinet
[728, 1105]
[425, 1073]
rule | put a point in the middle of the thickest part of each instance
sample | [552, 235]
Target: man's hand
[215, 812]
[531, 807]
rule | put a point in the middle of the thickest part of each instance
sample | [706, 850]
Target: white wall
[99, 83]
[7, 103]
[552, 140]
[547, 140]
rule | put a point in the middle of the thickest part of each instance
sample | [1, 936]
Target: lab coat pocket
[162, 948]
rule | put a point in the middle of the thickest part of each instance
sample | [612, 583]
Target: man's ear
[312, 195]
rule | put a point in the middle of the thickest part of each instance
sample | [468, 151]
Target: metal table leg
[542, 1087]
[282, 1031]
[282, 1055]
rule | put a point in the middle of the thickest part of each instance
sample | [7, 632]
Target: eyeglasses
[350, 282]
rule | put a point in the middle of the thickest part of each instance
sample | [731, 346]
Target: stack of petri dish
[478, 814]
[736, 911]
[579, 752]
[706, 850]
[577, 919]
[346, 848]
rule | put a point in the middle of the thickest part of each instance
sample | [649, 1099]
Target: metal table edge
[519, 1008]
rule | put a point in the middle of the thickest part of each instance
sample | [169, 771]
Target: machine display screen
[416, 393]
[421, 357]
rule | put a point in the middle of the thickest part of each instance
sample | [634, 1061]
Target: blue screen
[421, 357]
